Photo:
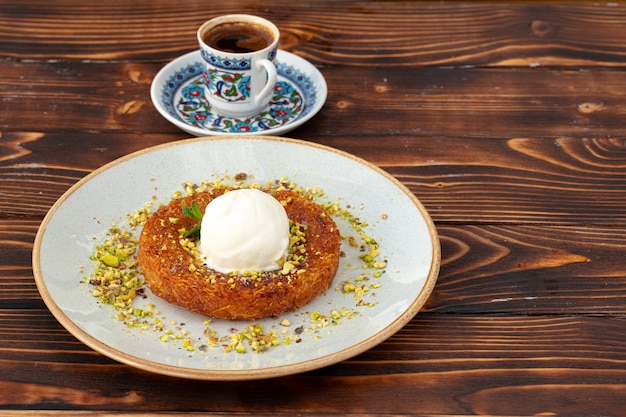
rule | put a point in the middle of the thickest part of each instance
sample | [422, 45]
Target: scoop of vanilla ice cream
[244, 229]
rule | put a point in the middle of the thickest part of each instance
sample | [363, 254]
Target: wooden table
[505, 119]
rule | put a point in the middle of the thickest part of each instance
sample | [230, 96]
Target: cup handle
[271, 80]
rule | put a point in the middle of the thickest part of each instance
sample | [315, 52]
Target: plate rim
[243, 374]
[321, 88]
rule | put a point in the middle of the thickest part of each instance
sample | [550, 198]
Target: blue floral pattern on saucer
[183, 97]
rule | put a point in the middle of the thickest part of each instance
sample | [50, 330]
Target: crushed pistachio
[115, 278]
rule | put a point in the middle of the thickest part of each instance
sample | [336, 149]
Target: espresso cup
[238, 53]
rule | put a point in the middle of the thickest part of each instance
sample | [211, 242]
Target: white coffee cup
[238, 53]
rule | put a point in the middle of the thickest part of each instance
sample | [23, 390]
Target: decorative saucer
[177, 92]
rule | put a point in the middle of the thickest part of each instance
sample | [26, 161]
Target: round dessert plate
[177, 92]
[334, 327]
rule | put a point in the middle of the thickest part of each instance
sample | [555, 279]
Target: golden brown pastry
[175, 272]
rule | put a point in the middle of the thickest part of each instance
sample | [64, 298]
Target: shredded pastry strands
[114, 279]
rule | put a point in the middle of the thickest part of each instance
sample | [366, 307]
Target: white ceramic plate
[80, 218]
[177, 93]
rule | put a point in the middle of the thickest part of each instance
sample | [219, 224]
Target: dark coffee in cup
[238, 52]
[238, 37]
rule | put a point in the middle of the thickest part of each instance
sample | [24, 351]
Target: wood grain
[559, 181]
[504, 118]
[485, 269]
[393, 102]
[442, 364]
[357, 33]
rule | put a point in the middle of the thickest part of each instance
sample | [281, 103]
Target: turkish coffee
[238, 37]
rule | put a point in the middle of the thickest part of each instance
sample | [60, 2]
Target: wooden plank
[485, 269]
[531, 269]
[400, 33]
[16, 275]
[437, 364]
[393, 102]
[564, 180]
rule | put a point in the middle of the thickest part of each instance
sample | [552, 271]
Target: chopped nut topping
[115, 278]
